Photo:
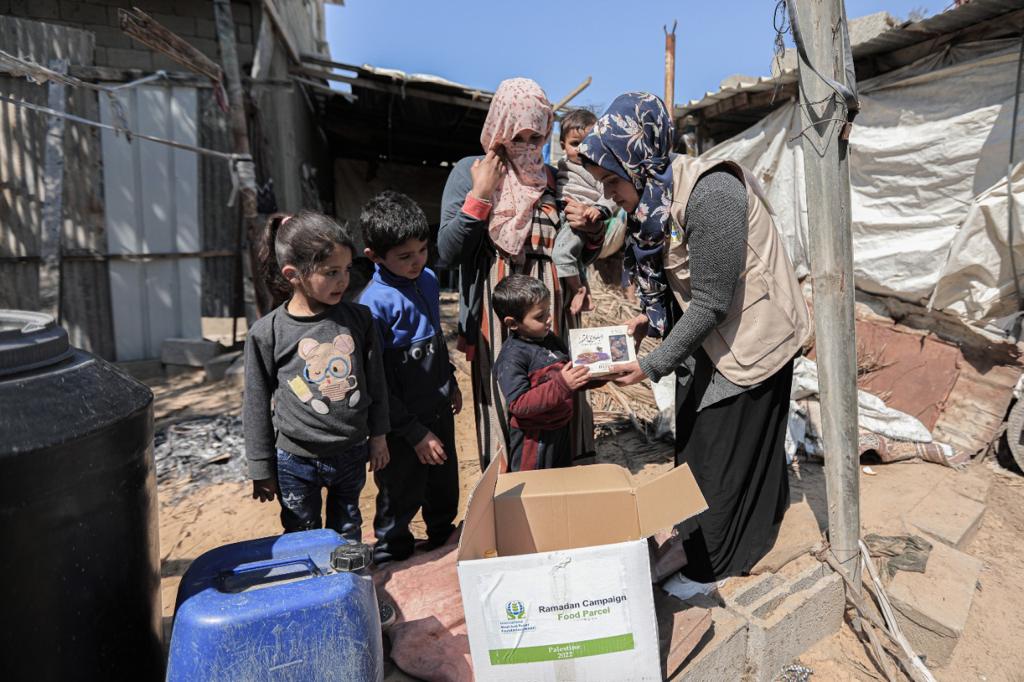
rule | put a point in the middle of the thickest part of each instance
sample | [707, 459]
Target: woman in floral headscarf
[715, 282]
[498, 217]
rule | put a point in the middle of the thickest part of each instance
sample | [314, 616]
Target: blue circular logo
[515, 610]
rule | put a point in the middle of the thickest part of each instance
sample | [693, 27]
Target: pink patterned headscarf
[519, 104]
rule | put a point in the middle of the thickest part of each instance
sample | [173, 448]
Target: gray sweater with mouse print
[314, 386]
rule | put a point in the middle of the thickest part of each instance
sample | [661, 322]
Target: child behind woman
[315, 409]
[576, 184]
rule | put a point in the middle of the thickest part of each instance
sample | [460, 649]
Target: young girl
[315, 407]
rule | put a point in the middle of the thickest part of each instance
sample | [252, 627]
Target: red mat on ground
[429, 639]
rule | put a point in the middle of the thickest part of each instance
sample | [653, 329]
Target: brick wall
[190, 19]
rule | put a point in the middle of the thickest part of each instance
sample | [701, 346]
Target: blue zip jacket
[420, 375]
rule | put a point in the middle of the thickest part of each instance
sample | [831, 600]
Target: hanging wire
[37, 73]
[241, 167]
[843, 96]
[780, 21]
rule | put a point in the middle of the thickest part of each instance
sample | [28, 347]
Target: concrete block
[721, 654]
[108, 36]
[142, 369]
[235, 374]
[193, 352]
[128, 59]
[172, 370]
[36, 9]
[217, 367]
[184, 26]
[947, 516]
[205, 28]
[242, 13]
[740, 593]
[932, 607]
[974, 484]
[792, 618]
[78, 12]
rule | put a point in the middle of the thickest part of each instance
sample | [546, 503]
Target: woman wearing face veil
[498, 217]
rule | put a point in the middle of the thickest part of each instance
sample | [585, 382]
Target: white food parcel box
[568, 596]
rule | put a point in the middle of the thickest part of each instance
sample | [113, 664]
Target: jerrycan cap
[351, 557]
[30, 340]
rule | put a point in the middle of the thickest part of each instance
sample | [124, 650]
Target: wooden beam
[257, 297]
[827, 182]
[263, 55]
[479, 95]
[572, 95]
[75, 257]
[409, 90]
[53, 202]
[271, 10]
[670, 66]
[750, 100]
[107, 74]
[148, 31]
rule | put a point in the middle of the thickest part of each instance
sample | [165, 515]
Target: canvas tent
[928, 162]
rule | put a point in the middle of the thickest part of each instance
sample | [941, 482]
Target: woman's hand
[488, 173]
[629, 374]
[637, 328]
[579, 217]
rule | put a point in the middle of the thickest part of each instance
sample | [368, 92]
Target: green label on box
[557, 652]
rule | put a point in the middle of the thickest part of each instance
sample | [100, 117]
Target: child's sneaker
[388, 614]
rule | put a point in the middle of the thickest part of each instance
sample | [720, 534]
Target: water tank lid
[29, 341]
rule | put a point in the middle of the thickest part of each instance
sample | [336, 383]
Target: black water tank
[79, 557]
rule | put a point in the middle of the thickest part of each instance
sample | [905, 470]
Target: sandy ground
[989, 650]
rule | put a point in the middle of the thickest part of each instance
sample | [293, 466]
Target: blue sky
[558, 44]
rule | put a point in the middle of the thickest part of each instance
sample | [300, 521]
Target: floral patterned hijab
[519, 104]
[633, 140]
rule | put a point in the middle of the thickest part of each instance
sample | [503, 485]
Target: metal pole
[225, 25]
[827, 180]
[670, 67]
[1011, 207]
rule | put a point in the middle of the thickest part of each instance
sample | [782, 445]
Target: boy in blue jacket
[404, 298]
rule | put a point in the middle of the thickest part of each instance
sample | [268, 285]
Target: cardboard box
[601, 349]
[569, 595]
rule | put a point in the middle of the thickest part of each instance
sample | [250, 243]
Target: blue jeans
[299, 480]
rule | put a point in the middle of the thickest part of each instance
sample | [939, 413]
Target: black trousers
[406, 485]
[736, 451]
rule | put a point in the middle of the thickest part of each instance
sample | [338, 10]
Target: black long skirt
[735, 449]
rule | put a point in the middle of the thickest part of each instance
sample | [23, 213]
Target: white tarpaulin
[928, 159]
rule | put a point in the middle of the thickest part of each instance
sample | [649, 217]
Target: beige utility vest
[767, 321]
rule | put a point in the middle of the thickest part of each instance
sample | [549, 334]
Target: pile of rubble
[200, 452]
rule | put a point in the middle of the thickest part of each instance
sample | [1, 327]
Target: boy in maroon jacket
[534, 374]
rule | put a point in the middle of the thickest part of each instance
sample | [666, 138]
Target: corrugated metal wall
[85, 299]
[219, 223]
[151, 193]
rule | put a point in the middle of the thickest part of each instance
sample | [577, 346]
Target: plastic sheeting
[873, 414]
[928, 161]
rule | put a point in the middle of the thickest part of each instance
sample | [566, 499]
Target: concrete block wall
[190, 19]
[767, 622]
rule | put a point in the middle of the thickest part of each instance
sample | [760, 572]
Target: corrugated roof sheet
[904, 35]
